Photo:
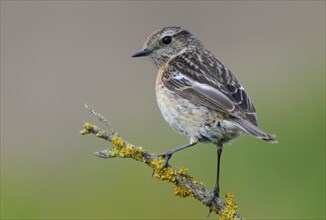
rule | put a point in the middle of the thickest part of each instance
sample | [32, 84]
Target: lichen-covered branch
[186, 185]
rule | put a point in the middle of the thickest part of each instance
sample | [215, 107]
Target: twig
[102, 119]
[186, 185]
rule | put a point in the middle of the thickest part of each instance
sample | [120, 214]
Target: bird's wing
[201, 78]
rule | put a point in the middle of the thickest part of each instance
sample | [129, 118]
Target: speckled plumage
[196, 122]
[197, 95]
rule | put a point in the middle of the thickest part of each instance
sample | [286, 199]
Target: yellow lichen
[84, 131]
[183, 171]
[230, 210]
[89, 126]
[196, 182]
[123, 151]
[127, 151]
[114, 152]
[98, 134]
[157, 164]
[166, 173]
[117, 141]
[138, 154]
[182, 191]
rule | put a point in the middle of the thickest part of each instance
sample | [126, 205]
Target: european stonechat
[197, 95]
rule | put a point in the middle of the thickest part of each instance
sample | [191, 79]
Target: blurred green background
[57, 55]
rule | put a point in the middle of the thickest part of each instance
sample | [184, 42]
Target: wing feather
[208, 82]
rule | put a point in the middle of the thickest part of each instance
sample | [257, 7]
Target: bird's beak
[141, 53]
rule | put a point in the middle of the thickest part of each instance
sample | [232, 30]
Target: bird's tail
[254, 130]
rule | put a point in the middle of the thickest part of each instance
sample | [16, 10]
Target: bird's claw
[167, 156]
[216, 194]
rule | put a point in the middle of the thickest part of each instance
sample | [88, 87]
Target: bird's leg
[167, 155]
[216, 191]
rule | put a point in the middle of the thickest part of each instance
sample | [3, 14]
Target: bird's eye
[166, 39]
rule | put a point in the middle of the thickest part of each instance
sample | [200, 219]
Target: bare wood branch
[186, 185]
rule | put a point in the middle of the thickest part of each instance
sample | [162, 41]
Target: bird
[197, 95]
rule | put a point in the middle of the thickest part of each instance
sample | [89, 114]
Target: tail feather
[254, 130]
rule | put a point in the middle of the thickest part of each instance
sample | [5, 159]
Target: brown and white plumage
[197, 95]
[195, 74]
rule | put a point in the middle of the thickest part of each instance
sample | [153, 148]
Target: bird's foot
[167, 156]
[216, 194]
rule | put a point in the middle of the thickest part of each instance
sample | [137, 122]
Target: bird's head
[164, 44]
